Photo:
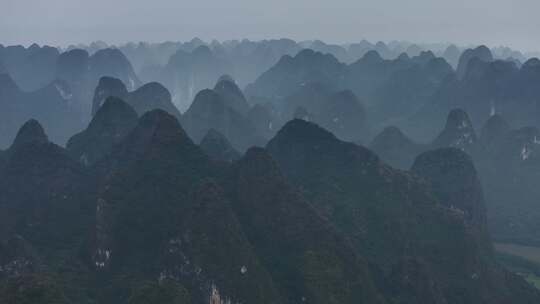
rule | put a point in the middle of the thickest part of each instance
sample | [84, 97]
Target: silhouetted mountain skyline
[270, 171]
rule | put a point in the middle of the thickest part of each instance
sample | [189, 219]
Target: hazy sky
[60, 22]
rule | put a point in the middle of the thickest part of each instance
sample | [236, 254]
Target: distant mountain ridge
[297, 172]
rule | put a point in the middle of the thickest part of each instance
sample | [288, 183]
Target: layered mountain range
[266, 172]
[134, 208]
[506, 159]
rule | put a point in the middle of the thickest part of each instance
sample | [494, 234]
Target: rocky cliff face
[458, 132]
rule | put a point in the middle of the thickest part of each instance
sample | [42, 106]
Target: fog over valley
[181, 152]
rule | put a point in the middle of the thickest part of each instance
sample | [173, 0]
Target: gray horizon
[65, 22]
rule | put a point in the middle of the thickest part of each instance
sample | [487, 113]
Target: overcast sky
[513, 23]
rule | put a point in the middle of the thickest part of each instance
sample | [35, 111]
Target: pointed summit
[114, 63]
[209, 111]
[300, 143]
[202, 51]
[158, 140]
[279, 220]
[413, 50]
[160, 126]
[152, 96]
[291, 73]
[303, 131]
[482, 53]
[231, 94]
[531, 63]
[347, 183]
[451, 55]
[30, 132]
[110, 125]
[158, 135]
[458, 119]
[72, 65]
[403, 57]
[395, 148]
[424, 57]
[372, 57]
[113, 108]
[107, 87]
[458, 132]
[205, 98]
[389, 137]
